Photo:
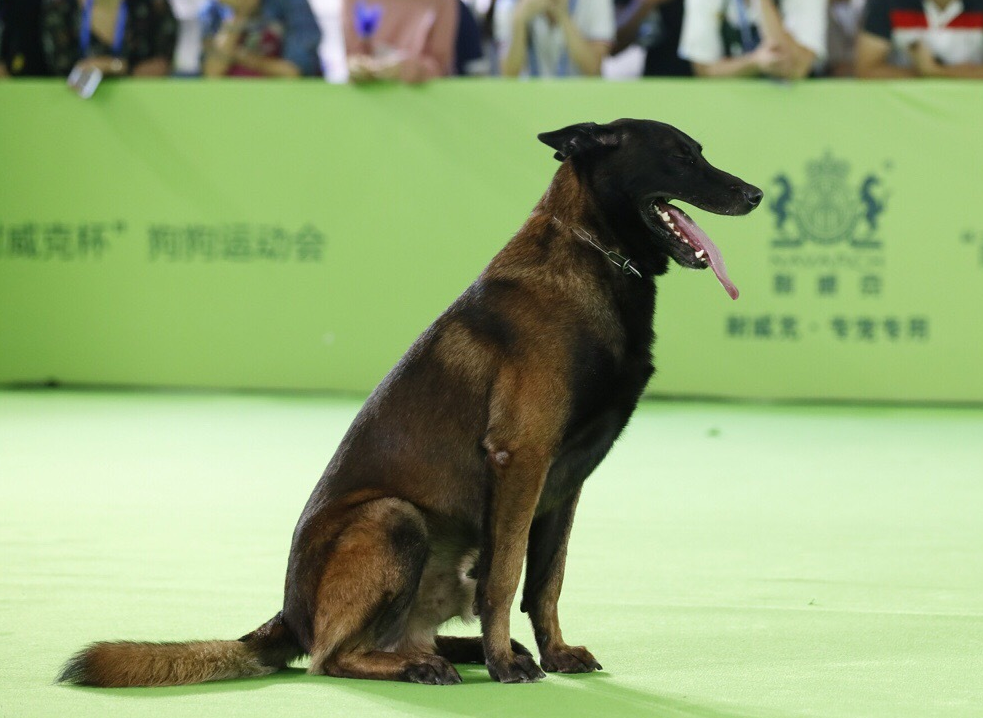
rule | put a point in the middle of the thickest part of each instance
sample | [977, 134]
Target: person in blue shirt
[260, 38]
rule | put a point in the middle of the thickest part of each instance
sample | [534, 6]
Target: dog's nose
[753, 195]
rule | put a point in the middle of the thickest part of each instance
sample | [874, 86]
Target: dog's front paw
[568, 659]
[515, 668]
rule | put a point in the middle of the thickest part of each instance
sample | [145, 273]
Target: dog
[469, 457]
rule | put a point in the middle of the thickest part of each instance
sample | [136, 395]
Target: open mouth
[696, 250]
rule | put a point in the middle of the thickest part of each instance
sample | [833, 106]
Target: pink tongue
[698, 240]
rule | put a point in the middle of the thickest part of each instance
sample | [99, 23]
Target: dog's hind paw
[520, 649]
[432, 670]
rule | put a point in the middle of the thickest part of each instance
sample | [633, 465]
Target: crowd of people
[417, 40]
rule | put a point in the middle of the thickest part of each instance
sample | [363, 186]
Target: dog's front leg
[513, 502]
[519, 442]
[548, 539]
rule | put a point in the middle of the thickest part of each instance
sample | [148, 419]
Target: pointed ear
[579, 139]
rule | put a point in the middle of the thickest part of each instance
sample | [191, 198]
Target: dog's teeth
[699, 255]
[672, 225]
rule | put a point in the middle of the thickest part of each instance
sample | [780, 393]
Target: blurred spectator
[654, 26]
[260, 38]
[334, 61]
[553, 38]
[188, 47]
[117, 37]
[729, 38]
[20, 39]
[408, 40]
[844, 26]
[911, 38]
[484, 13]
[469, 53]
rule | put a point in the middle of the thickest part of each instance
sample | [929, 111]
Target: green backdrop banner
[300, 235]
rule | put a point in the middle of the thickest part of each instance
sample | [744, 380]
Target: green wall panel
[300, 235]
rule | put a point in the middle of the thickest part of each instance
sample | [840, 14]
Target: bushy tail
[124, 663]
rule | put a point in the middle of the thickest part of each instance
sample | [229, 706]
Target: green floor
[727, 560]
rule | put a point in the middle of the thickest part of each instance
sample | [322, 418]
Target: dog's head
[635, 168]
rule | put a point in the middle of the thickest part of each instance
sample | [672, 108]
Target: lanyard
[85, 31]
[747, 38]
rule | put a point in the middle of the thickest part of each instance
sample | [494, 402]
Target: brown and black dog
[470, 455]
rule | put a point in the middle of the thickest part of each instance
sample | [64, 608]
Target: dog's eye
[685, 158]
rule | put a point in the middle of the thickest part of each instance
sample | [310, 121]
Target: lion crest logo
[827, 210]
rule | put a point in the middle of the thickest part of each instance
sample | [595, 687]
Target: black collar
[626, 265]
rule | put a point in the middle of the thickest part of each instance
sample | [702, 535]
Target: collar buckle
[624, 263]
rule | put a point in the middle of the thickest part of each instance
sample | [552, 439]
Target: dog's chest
[604, 391]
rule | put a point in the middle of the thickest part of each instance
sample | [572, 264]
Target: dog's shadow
[596, 694]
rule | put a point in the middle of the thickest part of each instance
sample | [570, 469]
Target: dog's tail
[120, 664]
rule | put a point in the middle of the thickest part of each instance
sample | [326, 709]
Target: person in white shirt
[553, 38]
[740, 38]
[921, 38]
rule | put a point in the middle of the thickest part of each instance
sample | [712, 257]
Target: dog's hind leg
[380, 665]
[365, 594]
[469, 649]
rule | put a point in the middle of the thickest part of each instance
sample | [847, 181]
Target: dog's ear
[579, 139]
